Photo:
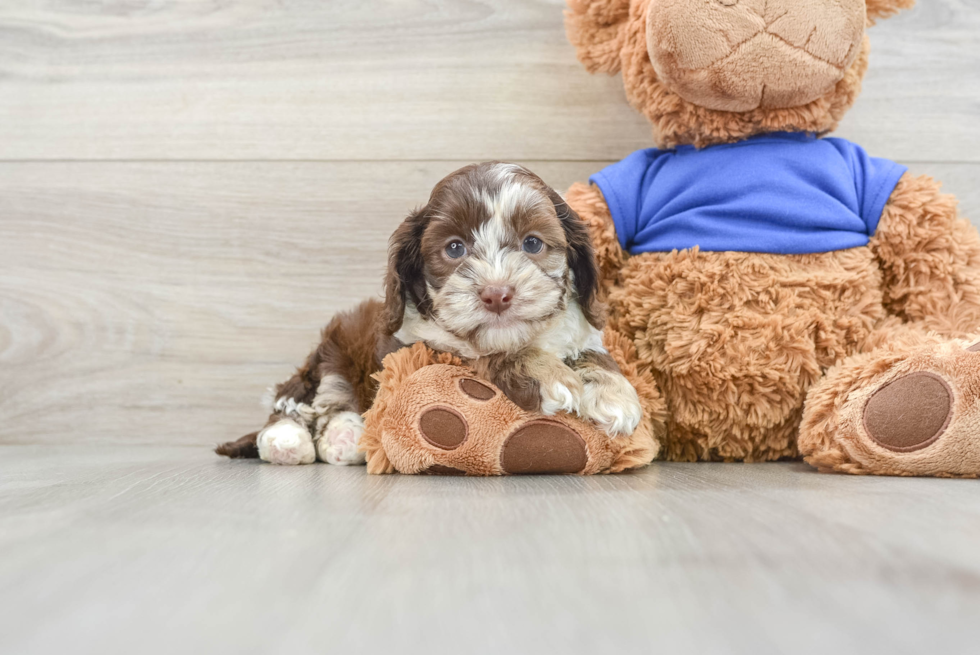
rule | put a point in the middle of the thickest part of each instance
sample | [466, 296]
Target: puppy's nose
[497, 299]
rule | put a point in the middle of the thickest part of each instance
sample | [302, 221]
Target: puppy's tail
[244, 448]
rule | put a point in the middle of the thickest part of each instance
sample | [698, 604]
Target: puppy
[497, 269]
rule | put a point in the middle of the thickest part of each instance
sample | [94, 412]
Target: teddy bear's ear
[885, 8]
[595, 28]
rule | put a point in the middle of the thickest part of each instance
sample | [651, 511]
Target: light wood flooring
[189, 189]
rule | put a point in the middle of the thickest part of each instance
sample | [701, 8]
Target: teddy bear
[780, 293]
[790, 294]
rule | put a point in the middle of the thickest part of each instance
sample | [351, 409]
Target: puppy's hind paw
[286, 442]
[339, 441]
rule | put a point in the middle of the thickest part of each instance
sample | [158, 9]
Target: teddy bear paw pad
[442, 427]
[544, 447]
[476, 390]
[440, 469]
[910, 412]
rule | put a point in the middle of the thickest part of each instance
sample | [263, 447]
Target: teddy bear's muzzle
[740, 55]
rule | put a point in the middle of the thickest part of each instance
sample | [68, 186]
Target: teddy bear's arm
[929, 257]
[588, 203]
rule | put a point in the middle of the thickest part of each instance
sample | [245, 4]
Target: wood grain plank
[408, 80]
[154, 303]
[137, 300]
[163, 550]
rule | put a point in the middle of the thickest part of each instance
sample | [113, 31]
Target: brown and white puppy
[495, 268]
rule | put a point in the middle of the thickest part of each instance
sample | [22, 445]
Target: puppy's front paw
[561, 392]
[339, 441]
[611, 402]
[286, 442]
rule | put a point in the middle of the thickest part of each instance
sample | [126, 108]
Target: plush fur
[765, 357]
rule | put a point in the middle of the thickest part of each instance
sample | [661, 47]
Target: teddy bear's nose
[740, 55]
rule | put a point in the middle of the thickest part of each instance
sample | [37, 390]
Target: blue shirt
[786, 193]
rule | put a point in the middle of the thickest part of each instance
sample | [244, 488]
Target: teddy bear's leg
[444, 420]
[930, 259]
[909, 407]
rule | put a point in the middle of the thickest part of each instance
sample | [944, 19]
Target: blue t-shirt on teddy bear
[784, 193]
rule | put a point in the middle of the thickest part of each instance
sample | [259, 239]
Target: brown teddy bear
[790, 294]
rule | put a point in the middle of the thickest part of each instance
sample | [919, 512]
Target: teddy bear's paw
[909, 413]
[543, 446]
[561, 392]
[338, 443]
[895, 413]
[286, 442]
[612, 403]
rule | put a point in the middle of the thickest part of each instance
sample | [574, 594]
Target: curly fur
[929, 258]
[736, 339]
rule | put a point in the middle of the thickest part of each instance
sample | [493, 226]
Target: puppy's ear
[581, 260]
[405, 279]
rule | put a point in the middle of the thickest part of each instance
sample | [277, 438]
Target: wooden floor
[152, 549]
[189, 190]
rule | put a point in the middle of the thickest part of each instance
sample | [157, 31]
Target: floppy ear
[581, 260]
[405, 279]
[885, 8]
[595, 28]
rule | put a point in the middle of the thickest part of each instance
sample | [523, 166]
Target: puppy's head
[492, 258]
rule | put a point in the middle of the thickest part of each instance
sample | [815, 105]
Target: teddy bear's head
[716, 71]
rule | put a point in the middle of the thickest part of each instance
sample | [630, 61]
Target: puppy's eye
[533, 245]
[455, 250]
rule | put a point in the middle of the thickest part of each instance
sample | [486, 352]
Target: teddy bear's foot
[894, 413]
[286, 442]
[444, 421]
[338, 442]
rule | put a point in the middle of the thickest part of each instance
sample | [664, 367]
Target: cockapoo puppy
[497, 269]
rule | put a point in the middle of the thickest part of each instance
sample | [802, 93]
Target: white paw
[561, 395]
[611, 402]
[338, 443]
[286, 442]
